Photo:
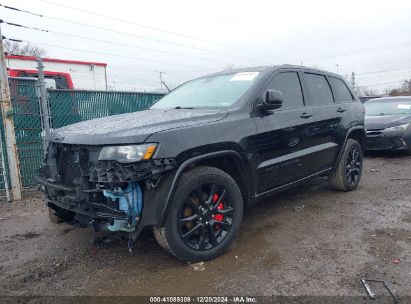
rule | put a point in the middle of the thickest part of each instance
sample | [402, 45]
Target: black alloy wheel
[354, 166]
[347, 174]
[206, 216]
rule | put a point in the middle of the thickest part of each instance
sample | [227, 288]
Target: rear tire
[347, 175]
[205, 215]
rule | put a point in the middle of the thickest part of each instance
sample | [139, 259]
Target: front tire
[205, 215]
[347, 175]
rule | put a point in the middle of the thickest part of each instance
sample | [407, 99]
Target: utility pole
[168, 89]
[44, 105]
[6, 112]
[353, 80]
[337, 65]
[161, 79]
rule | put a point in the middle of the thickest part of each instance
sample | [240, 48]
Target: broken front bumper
[77, 201]
[107, 192]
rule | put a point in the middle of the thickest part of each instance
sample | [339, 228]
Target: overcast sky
[364, 37]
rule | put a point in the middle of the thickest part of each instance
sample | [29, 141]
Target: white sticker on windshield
[244, 76]
[404, 106]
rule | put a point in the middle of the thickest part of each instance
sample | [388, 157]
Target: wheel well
[231, 166]
[359, 135]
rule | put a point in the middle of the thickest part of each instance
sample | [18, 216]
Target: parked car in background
[364, 99]
[189, 164]
[388, 123]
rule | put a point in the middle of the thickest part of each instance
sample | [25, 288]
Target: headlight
[128, 154]
[400, 128]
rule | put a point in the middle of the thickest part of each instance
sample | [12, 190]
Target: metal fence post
[45, 111]
[7, 114]
[3, 169]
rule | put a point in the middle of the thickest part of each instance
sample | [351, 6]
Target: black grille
[73, 164]
[69, 169]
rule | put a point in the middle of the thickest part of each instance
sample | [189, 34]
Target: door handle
[340, 110]
[306, 115]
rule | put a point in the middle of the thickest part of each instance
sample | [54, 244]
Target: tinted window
[289, 84]
[318, 88]
[341, 92]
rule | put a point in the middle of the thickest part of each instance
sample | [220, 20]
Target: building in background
[61, 74]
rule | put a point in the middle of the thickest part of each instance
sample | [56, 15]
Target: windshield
[213, 91]
[378, 108]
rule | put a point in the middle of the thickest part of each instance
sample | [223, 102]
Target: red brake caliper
[218, 217]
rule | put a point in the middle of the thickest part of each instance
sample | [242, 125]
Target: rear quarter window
[318, 89]
[341, 92]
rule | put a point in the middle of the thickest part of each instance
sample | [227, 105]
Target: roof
[275, 67]
[31, 58]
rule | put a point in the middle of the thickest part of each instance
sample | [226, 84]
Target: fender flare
[189, 162]
[345, 142]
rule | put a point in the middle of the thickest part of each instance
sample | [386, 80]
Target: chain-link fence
[71, 106]
[66, 107]
[27, 126]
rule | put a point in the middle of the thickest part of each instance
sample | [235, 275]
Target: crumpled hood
[386, 121]
[132, 127]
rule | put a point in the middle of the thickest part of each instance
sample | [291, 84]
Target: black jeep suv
[189, 164]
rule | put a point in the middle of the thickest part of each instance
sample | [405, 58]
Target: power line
[20, 10]
[130, 34]
[381, 77]
[151, 71]
[378, 84]
[159, 29]
[110, 42]
[382, 71]
[22, 26]
[108, 54]
[356, 51]
[356, 67]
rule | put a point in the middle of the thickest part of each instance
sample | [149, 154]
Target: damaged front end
[99, 187]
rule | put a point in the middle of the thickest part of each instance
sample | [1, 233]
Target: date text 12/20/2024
[205, 299]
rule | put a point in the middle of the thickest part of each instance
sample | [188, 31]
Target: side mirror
[272, 100]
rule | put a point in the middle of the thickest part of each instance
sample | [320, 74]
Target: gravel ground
[309, 241]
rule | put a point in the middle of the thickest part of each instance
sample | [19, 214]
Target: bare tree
[370, 92]
[24, 49]
[403, 90]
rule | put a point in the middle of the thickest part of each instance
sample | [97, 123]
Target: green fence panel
[66, 107]
[27, 127]
[71, 106]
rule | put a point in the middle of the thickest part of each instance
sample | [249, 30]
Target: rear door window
[341, 92]
[318, 89]
[289, 84]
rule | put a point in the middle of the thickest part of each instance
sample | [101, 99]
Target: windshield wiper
[179, 107]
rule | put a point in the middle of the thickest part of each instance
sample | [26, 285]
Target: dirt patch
[310, 240]
[26, 236]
